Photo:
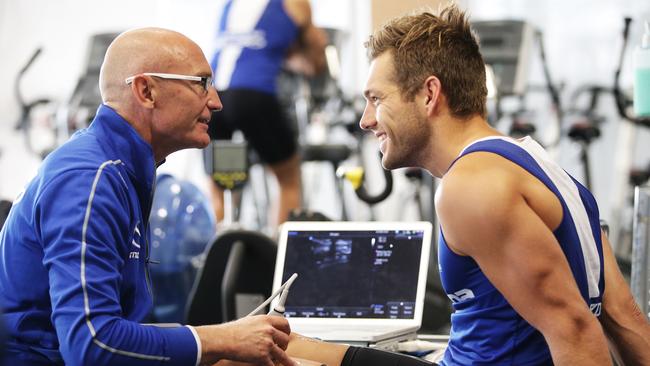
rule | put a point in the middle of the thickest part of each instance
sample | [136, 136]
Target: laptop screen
[353, 273]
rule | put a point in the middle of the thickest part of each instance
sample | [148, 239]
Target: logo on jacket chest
[135, 243]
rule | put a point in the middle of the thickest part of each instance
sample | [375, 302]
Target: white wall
[582, 39]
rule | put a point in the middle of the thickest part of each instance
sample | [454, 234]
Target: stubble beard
[408, 153]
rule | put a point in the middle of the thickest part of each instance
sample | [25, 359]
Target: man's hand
[260, 340]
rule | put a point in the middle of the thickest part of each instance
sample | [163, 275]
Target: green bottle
[642, 76]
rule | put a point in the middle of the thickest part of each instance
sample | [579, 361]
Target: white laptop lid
[353, 275]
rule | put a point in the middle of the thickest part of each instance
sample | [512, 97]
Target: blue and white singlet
[485, 329]
[251, 44]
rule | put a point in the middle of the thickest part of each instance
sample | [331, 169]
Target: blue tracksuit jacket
[73, 257]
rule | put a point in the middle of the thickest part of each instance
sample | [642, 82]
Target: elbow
[92, 352]
[80, 347]
[74, 354]
[575, 325]
[584, 323]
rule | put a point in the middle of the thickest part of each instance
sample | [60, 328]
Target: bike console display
[228, 163]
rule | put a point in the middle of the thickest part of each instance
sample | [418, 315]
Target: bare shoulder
[478, 180]
[299, 11]
[478, 192]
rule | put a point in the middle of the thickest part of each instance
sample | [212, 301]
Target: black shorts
[261, 119]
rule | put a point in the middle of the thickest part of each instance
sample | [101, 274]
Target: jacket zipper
[146, 240]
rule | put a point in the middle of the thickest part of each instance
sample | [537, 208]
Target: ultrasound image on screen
[353, 274]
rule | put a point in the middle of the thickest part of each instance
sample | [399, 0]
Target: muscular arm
[308, 55]
[625, 325]
[330, 354]
[485, 215]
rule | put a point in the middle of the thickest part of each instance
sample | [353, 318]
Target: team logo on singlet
[596, 308]
[461, 295]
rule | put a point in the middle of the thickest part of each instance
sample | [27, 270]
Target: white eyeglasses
[205, 81]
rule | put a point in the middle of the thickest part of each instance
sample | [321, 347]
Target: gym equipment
[623, 102]
[642, 75]
[5, 207]
[236, 277]
[585, 130]
[227, 162]
[640, 282]
[82, 105]
[356, 177]
[636, 176]
[423, 192]
[639, 177]
[24, 123]
[334, 154]
[586, 127]
[320, 96]
[238, 270]
[182, 224]
[320, 110]
[506, 47]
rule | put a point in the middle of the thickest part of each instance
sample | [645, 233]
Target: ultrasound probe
[278, 310]
[283, 298]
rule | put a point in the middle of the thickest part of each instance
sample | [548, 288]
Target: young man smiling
[531, 276]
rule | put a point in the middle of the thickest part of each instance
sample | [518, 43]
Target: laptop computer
[360, 282]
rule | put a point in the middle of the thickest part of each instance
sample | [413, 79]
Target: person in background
[74, 250]
[531, 276]
[253, 42]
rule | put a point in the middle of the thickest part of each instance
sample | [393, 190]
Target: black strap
[363, 356]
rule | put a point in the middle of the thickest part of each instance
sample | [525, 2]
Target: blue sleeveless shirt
[251, 44]
[485, 329]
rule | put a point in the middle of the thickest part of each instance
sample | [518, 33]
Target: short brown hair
[442, 45]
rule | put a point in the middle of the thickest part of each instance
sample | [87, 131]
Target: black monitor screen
[353, 274]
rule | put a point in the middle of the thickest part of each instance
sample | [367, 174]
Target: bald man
[74, 250]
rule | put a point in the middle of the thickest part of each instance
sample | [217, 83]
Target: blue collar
[123, 142]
